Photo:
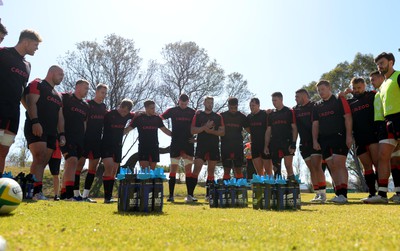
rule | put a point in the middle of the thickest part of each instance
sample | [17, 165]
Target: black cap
[184, 97]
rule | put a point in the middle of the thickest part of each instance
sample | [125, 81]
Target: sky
[276, 45]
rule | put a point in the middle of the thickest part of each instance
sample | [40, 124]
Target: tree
[341, 75]
[20, 156]
[187, 68]
[115, 62]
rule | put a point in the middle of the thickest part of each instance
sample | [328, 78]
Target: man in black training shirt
[182, 142]
[14, 74]
[257, 121]
[115, 122]
[366, 140]
[313, 158]
[75, 111]
[43, 118]
[92, 145]
[232, 152]
[208, 126]
[332, 134]
[147, 125]
[281, 134]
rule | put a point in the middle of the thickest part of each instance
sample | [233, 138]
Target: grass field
[49, 225]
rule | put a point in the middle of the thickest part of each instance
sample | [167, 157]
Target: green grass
[62, 225]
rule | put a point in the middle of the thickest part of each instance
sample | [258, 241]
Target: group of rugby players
[86, 130]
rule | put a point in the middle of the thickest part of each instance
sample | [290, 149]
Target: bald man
[44, 119]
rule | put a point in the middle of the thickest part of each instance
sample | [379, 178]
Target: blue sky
[276, 45]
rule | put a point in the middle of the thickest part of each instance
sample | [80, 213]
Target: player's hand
[62, 140]
[192, 140]
[266, 150]
[316, 146]
[291, 150]
[37, 129]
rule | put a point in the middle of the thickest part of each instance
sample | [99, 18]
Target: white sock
[85, 193]
[77, 193]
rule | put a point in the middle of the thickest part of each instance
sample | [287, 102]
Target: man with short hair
[387, 108]
[44, 119]
[281, 134]
[377, 79]
[258, 121]
[147, 125]
[332, 134]
[111, 144]
[232, 142]
[366, 140]
[208, 126]
[75, 111]
[312, 158]
[14, 74]
[92, 144]
[182, 142]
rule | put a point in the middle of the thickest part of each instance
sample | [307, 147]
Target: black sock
[108, 185]
[89, 180]
[188, 180]
[69, 191]
[77, 181]
[171, 183]
[370, 179]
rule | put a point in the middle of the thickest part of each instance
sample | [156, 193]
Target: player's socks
[383, 187]
[77, 182]
[69, 189]
[171, 184]
[89, 179]
[370, 179]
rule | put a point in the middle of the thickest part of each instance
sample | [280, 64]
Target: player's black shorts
[307, 149]
[362, 144]
[207, 153]
[10, 124]
[30, 138]
[54, 166]
[151, 154]
[72, 149]
[92, 149]
[279, 149]
[333, 145]
[257, 151]
[393, 126]
[178, 148]
[112, 151]
[232, 156]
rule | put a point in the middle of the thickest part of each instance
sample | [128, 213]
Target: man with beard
[14, 74]
[208, 126]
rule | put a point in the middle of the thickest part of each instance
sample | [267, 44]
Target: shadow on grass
[140, 214]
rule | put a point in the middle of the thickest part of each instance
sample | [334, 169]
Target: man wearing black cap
[232, 142]
[182, 147]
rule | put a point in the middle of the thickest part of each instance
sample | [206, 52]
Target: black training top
[204, 139]
[14, 74]
[181, 122]
[330, 114]
[75, 113]
[362, 109]
[303, 115]
[95, 120]
[114, 125]
[281, 124]
[234, 125]
[48, 105]
[147, 127]
[258, 125]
